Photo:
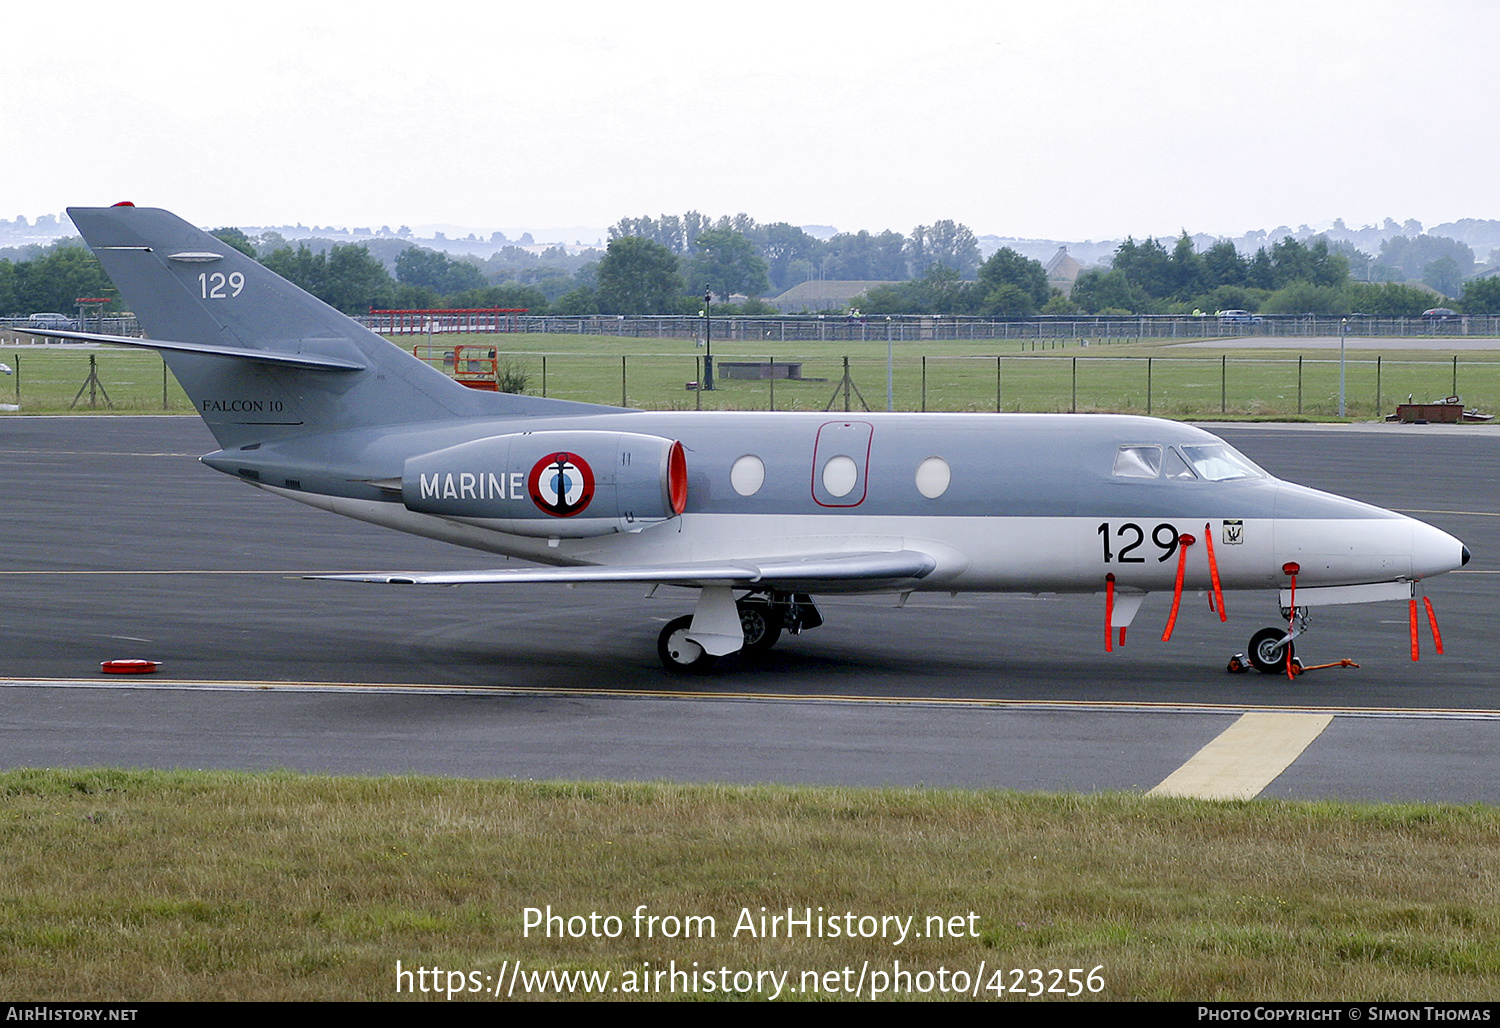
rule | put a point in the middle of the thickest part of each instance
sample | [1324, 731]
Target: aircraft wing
[806, 572]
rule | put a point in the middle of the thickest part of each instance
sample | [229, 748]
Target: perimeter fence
[63, 378]
[1094, 329]
[1176, 387]
[1099, 329]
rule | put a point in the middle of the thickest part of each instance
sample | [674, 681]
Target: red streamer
[1217, 602]
[1437, 637]
[1184, 541]
[1291, 618]
[1109, 613]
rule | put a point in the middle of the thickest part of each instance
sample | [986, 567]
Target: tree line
[790, 255]
[348, 277]
[52, 281]
[665, 266]
[1289, 277]
[651, 266]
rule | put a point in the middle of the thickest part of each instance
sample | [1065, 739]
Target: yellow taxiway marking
[1246, 757]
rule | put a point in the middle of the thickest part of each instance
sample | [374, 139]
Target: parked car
[49, 319]
[1234, 317]
[1440, 314]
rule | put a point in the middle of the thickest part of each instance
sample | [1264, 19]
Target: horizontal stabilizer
[823, 567]
[296, 360]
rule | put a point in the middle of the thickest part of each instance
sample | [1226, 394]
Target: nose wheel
[1269, 650]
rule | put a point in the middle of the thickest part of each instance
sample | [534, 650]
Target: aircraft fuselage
[1003, 502]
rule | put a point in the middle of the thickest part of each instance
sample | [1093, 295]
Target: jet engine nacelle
[552, 484]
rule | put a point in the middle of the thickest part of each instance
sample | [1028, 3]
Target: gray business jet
[757, 511]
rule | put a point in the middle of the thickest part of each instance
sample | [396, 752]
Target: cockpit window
[1138, 461]
[1220, 462]
[1176, 468]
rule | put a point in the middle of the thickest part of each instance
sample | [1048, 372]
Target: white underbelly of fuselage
[1000, 554]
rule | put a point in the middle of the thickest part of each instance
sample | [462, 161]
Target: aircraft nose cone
[1435, 551]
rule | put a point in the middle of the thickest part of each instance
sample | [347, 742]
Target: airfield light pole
[708, 358]
[1343, 335]
[890, 390]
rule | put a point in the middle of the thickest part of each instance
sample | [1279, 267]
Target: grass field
[300, 887]
[1151, 377]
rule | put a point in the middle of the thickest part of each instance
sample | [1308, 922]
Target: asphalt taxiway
[119, 544]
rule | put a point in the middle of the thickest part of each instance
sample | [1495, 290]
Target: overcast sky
[1083, 119]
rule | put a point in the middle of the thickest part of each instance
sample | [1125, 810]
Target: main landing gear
[762, 619]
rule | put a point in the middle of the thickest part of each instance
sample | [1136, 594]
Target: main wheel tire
[761, 624]
[678, 653]
[1266, 653]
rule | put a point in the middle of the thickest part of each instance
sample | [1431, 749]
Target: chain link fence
[1174, 387]
[1041, 375]
[915, 328]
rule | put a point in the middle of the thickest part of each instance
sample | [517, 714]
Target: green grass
[139, 886]
[954, 376]
[52, 380]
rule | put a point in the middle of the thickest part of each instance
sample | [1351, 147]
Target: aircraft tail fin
[260, 358]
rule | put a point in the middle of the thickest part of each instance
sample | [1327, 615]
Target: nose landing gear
[1269, 650]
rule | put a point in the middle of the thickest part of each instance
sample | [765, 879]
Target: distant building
[1062, 271]
[821, 295]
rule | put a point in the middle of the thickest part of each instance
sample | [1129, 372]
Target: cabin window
[1220, 462]
[1138, 461]
[933, 476]
[840, 476]
[747, 475]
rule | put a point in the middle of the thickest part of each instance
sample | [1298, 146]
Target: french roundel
[561, 484]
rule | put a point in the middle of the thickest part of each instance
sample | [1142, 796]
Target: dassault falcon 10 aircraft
[757, 511]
